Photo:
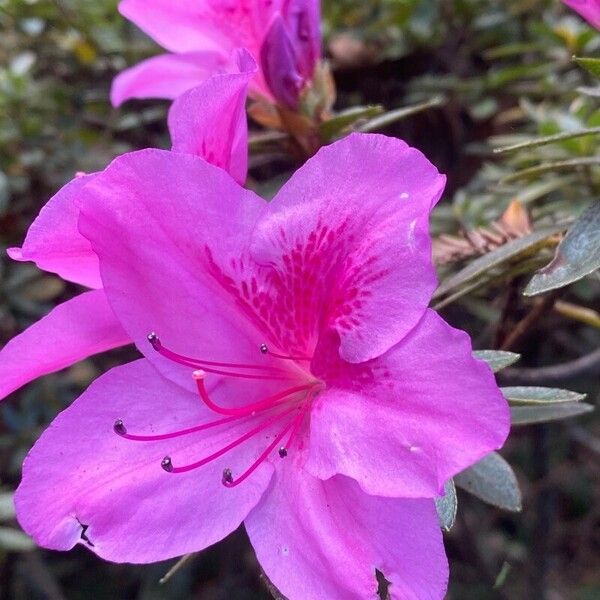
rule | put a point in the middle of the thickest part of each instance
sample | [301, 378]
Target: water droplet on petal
[264, 348]
[282, 452]
[167, 464]
[404, 196]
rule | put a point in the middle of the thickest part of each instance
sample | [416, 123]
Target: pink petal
[350, 229]
[324, 539]
[177, 25]
[54, 243]
[210, 120]
[408, 421]
[185, 26]
[178, 221]
[303, 20]
[81, 473]
[588, 9]
[280, 65]
[73, 331]
[165, 76]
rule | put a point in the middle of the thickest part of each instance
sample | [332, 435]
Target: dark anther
[119, 427]
[227, 477]
[166, 464]
[154, 341]
[263, 348]
[282, 452]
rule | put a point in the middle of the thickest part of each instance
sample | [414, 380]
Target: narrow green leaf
[493, 481]
[13, 540]
[540, 395]
[341, 121]
[482, 265]
[549, 139]
[497, 359]
[592, 65]
[401, 113]
[577, 255]
[447, 506]
[526, 415]
[7, 506]
[572, 163]
[501, 578]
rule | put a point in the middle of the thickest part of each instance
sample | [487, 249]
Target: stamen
[268, 372]
[167, 465]
[297, 423]
[268, 402]
[264, 349]
[120, 429]
[259, 460]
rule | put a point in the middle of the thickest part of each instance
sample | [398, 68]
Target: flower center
[286, 409]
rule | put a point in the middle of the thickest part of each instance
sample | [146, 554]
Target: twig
[584, 365]
[526, 322]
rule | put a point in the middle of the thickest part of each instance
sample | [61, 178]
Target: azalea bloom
[292, 376]
[588, 9]
[283, 36]
[208, 121]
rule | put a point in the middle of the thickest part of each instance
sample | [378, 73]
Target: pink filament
[260, 459]
[174, 434]
[232, 445]
[278, 374]
[298, 420]
[249, 408]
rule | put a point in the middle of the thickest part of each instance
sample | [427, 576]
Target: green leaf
[526, 415]
[493, 481]
[482, 265]
[13, 540]
[335, 126]
[497, 359]
[401, 113]
[549, 139]
[577, 255]
[540, 395]
[7, 506]
[447, 506]
[557, 165]
[592, 65]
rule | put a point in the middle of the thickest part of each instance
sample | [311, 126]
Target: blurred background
[502, 72]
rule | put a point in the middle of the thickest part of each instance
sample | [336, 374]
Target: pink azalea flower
[296, 382]
[283, 36]
[209, 121]
[588, 9]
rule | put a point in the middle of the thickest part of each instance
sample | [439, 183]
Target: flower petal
[406, 422]
[324, 539]
[177, 25]
[303, 20]
[588, 9]
[184, 26]
[175, 218]
[73, 331]
[210, 120]
[82, 478]
[280, 64]
[350, 229]
[54, 243]
[165, 76]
